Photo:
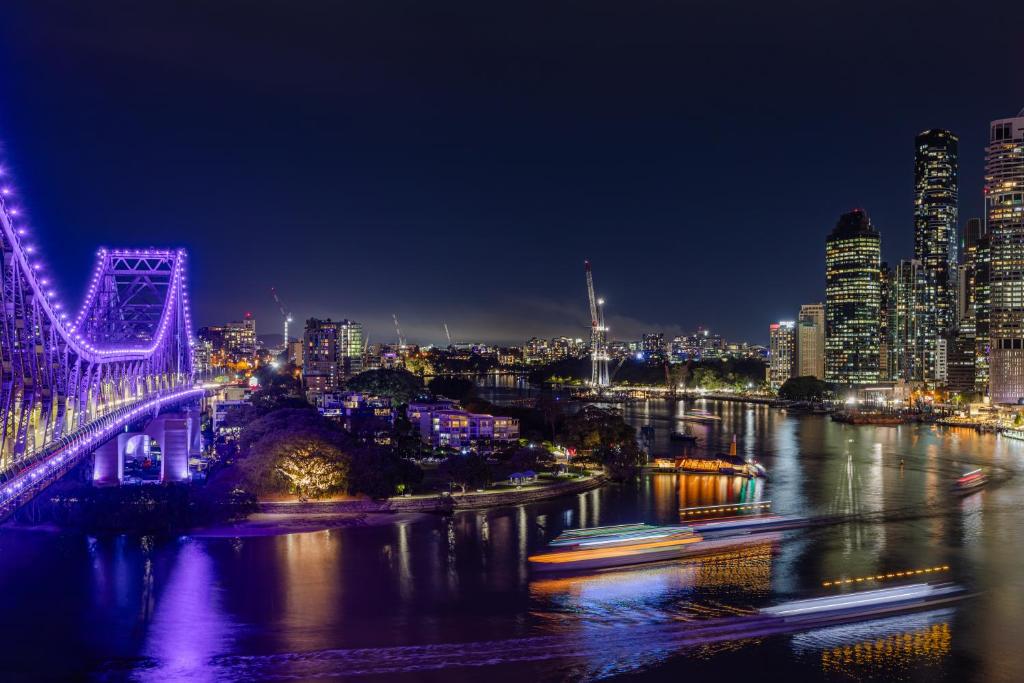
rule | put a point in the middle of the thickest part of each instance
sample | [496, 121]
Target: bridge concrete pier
[177, 435]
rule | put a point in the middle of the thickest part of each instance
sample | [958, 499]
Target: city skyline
[474, 157]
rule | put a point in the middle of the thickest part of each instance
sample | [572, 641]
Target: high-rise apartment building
[853, 300]
[810, 341]
[781, 353]
[240, 337]
[1004, 221]
[332, 353]
[935, 239]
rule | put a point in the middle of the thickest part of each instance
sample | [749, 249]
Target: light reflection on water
[459, 588]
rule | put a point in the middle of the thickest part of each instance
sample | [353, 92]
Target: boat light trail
[888, 575]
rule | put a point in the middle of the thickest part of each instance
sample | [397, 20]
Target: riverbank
[471, 500]
[278, 518]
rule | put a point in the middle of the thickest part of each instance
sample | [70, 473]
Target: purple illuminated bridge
[72, 380]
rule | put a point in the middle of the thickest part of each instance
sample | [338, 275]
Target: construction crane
[285, 315]
[598, 334]
[398, 331]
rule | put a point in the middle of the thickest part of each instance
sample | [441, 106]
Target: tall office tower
[1004, 216]
[935, 233]
[853, 298]
[885, 362]
[781, 347]
[333, 353]
[810, 341]
[904, 315]
[973, 303]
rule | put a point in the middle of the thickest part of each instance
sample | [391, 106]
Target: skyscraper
[906, 354]
[333, 353]
[852, 300]
[782, 344]
[983, 311]
[935, 232]
[1004, 216]
[810, 341]
[885, 364]
[971, 342]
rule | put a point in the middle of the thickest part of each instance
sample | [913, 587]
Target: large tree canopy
[398, 385]
[805, 388]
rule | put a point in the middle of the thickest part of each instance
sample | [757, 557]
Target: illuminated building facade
[852, 300]
[240, 337]
[782, 347]
[970, 344]
[443, 424]
[1004, 215]
[332, 353]
[885, 363]
[810, 341]
[652, 343]
[935, 243]
[905, 353]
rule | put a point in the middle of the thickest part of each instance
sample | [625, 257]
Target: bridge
[71, 381]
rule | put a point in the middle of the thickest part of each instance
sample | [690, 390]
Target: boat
[605, 548]
[697, 415]
[1013, 433]
[865, 604]
[746, 523]
[970, 482]
[859, 418]
[685, 436]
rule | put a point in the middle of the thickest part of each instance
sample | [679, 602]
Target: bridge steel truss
[62, 376]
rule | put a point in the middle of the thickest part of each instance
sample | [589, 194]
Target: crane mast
[598, 334]
[285, 315]
[398, 331]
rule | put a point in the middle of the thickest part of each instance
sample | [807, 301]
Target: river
[446, 599]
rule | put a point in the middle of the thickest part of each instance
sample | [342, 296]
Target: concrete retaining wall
[470, 501]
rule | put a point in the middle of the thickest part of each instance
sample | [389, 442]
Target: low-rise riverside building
[443, 424]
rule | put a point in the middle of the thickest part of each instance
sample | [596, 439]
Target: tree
[593, 427]
[308, 463]
[286, 419]
[456, 388]
[398, 385]
[621, 462]
[380, 473]
[466, 471]
[805, 388]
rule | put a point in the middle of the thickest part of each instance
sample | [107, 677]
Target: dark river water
[444, 599]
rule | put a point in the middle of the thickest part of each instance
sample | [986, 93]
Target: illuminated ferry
[865, 604]
[697, 415]
[970, 482]
[720, 463]
[605, 547]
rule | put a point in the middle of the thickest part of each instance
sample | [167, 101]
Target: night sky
[457, 162]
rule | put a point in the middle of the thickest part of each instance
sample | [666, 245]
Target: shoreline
[280, 518]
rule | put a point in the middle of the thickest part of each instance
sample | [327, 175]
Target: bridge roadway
[53, 462]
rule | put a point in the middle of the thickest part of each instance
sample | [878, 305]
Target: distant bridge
[70, 381]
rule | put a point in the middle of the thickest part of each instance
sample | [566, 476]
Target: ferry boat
[621, 546]
[970, 482]
[865, 604]
[697, 415]
[729, 464]
[1013, 433]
